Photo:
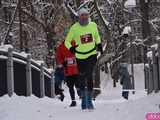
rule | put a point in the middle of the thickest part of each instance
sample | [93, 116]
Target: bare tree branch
[140, 16]
[34, 18]
[70, 9]
[101, 16]
[10, 25]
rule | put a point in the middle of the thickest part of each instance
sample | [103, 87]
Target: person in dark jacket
[125, 80]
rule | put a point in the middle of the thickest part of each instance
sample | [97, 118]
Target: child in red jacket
[66, 59]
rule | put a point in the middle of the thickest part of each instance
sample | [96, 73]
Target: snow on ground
[32, 108]
[139, 76]
[109, 105]
[115, 93]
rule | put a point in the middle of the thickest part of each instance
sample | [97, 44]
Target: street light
[127, 31]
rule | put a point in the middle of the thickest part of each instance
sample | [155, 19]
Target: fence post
[52, 85]
[29, 76]
[158, 65]
[155, 70]
[42, 89]
[96, 76]
[146, 73]
[150, 83]
[106, 67]
[10, 73]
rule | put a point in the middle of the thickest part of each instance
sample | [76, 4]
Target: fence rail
[22, 75]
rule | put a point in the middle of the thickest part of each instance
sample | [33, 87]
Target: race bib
[71, 61]
[86, 38]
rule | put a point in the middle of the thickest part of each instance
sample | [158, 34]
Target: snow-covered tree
[33, 25]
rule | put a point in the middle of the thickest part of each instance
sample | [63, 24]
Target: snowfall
[109, 105]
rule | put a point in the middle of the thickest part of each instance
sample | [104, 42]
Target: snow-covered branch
[86, 2]
[130, 22]
[70, 9]
[140, 16]
[105, 22]
[10, 25]
[34, 18]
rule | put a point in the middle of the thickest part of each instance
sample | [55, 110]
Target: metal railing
[152, 71]
[22, 75]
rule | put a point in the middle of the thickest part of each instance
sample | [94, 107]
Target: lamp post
[127, 31]
[132, 62]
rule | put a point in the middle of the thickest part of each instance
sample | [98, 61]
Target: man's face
[84, 19]
[84, 16]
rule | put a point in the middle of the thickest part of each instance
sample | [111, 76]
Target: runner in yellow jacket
[86, 36]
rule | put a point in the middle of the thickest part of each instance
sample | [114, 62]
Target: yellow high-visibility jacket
[86, 38]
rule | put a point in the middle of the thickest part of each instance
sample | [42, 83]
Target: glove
[99, 48]
[121, 82]
[125, 36]
[72, 50]
[65, 64]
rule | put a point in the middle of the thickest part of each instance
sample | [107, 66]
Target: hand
[99, 48]
[121, 82]
[72, 50]
[125, 36]
[65, 64]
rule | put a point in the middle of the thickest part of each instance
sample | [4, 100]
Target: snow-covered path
[32, 108]
[109, 105]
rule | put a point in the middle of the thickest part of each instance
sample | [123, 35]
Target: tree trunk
[25, 38]
[145, 17]
[78, 2]
[144, 6]
[0, 3]
[10, 25]
[20, 27]
[50, 44]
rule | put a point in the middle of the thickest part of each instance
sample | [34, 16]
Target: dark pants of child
[72, 81]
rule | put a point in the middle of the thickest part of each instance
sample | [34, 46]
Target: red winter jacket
[64, 55]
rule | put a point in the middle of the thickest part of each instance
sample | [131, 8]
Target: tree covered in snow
[33, 25]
